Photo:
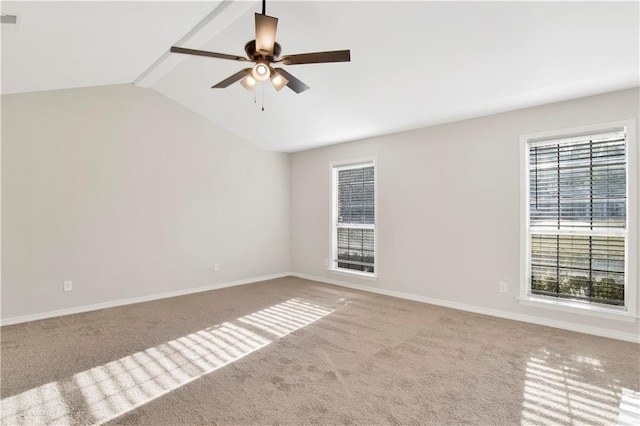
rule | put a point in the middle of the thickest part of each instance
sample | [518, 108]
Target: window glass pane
[356, 196]
[579, 184]
[589, 268]
[355, 249]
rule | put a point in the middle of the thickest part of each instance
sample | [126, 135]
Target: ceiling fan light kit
[249, 83]
[265, 51]
[261, 72]
[278, 81]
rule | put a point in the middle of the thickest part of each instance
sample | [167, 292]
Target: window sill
[620, 314]
[354, 274]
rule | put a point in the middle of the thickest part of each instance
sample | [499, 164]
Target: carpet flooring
[293, 351]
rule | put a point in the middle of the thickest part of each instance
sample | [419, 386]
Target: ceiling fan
[265, 51]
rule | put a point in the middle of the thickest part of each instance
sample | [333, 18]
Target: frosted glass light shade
[278, 81]
[249, 83]
[261, 72]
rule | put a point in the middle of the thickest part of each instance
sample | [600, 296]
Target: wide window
[578, 243]
[354, 218]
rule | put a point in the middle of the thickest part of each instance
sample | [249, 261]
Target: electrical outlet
[216, 267]
[503, 287]
[67, 286]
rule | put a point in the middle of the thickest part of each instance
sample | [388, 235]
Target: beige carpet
[292, 351]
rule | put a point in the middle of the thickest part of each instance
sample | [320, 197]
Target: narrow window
[354, 218]
[577, 204]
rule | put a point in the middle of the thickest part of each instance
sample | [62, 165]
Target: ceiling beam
[226, 12]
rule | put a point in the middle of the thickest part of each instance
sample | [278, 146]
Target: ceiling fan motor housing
[253, 55]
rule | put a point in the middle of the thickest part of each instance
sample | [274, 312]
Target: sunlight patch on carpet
[629, 408]
[556, 392]
[111, 390]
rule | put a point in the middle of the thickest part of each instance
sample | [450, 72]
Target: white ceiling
[413, 64]
[61, 45]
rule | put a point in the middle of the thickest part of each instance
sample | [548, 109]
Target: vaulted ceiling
[413, 64]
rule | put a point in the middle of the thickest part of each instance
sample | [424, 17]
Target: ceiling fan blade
[176, 49]
[293, 84]
[230, 80]
[317, 57]
[266, 27]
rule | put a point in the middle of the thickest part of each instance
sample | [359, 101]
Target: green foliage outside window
[603, 290]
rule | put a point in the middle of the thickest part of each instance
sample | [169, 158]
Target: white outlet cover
[67, 286]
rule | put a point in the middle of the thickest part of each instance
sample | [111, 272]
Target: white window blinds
[354, 239]
[578, 217]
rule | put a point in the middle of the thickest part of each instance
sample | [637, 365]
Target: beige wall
[128, 194]
[448, 206]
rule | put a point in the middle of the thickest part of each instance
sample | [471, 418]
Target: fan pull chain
[262, 97]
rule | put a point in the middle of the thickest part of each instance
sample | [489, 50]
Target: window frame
[333, 250]
[628, 312]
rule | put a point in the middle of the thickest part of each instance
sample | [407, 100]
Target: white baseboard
[121, 302]
[629, 337]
